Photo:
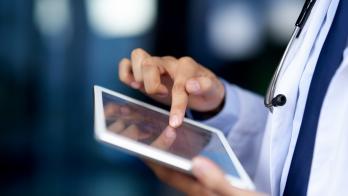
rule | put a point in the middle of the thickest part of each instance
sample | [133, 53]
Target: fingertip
[200, 166]
[176, 120]
[124, 71]
[123, 60]
[179, 103]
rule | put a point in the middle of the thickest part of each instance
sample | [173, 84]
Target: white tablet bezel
[146, 151]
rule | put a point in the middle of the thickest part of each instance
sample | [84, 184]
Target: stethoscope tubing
[270, 100]
[271, 89]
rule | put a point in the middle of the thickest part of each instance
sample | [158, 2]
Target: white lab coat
[265, 142]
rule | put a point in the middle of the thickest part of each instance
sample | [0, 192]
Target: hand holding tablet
[142, 129]
[123, 119]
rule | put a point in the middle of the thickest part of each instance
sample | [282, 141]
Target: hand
[213, 179]
[179, 82]
[209, 179]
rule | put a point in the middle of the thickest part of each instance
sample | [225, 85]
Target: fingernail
[135, 85]
[170, 133]
[199, 167]
[194, 85]
[174, 121]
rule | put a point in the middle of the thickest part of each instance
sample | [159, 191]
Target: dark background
[47, 76]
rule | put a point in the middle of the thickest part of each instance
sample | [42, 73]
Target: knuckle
[185, 60]
[169, 58]
[187, 66]
[150, 62]
[147, 63]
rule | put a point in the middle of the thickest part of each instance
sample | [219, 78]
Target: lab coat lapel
[329, 166]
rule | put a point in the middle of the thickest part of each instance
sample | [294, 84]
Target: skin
[161, 77]
[180, 83]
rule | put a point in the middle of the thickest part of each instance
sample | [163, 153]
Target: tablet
[132, 126]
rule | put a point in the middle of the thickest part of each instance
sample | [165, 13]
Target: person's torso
[330, 152]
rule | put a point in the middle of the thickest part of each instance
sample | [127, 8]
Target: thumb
[210, 176]
[202, 85]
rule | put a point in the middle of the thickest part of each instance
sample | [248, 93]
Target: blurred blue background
[52, 52]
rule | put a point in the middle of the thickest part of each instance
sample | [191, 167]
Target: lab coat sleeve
[243, 120]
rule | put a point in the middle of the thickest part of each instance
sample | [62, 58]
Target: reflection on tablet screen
[144, 125]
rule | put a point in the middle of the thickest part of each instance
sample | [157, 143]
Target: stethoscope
[280, 100]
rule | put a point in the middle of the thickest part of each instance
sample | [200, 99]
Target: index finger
[179, 102]
[186, 69]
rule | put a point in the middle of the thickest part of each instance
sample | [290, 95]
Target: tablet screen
[145, 125]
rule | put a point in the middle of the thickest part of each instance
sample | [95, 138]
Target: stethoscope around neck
[279, 100]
